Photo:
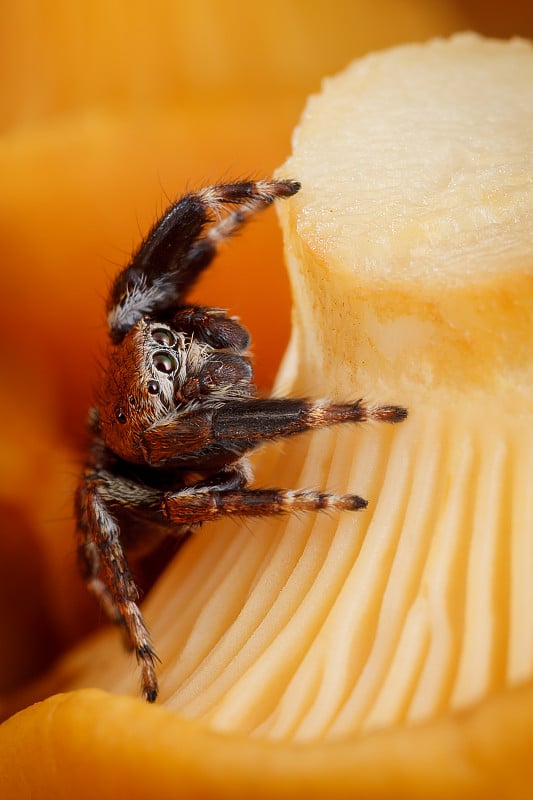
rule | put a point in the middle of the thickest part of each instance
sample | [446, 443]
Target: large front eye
[120, 416]
[163, 336]
[165, 362]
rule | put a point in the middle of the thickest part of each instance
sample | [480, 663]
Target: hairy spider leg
[181, 245]
[100, 549]
[191, 506]
[228, 431]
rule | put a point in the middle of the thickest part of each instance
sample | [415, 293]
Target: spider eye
[120, 416]
[163, 336]
[165, 362]
[153, 387]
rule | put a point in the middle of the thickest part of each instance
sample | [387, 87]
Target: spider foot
[144, 652]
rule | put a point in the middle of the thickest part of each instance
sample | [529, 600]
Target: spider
[177, 411]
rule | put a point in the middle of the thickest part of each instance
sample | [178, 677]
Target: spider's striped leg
[109, 578]
[221, 434]
[196, 505]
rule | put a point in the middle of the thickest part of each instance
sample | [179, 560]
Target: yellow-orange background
[108, 110]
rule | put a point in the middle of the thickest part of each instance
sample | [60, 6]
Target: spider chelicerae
[177, 410]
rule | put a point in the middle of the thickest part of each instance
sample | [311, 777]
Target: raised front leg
[181, 245]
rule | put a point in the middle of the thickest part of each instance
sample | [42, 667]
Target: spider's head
[157, 373]
[139, 385]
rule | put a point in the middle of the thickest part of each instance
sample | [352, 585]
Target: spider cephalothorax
[159, 371]
[177, 410]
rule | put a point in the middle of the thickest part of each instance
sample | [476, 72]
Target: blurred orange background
[108, 112]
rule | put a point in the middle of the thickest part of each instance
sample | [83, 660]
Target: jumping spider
[178, 412]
